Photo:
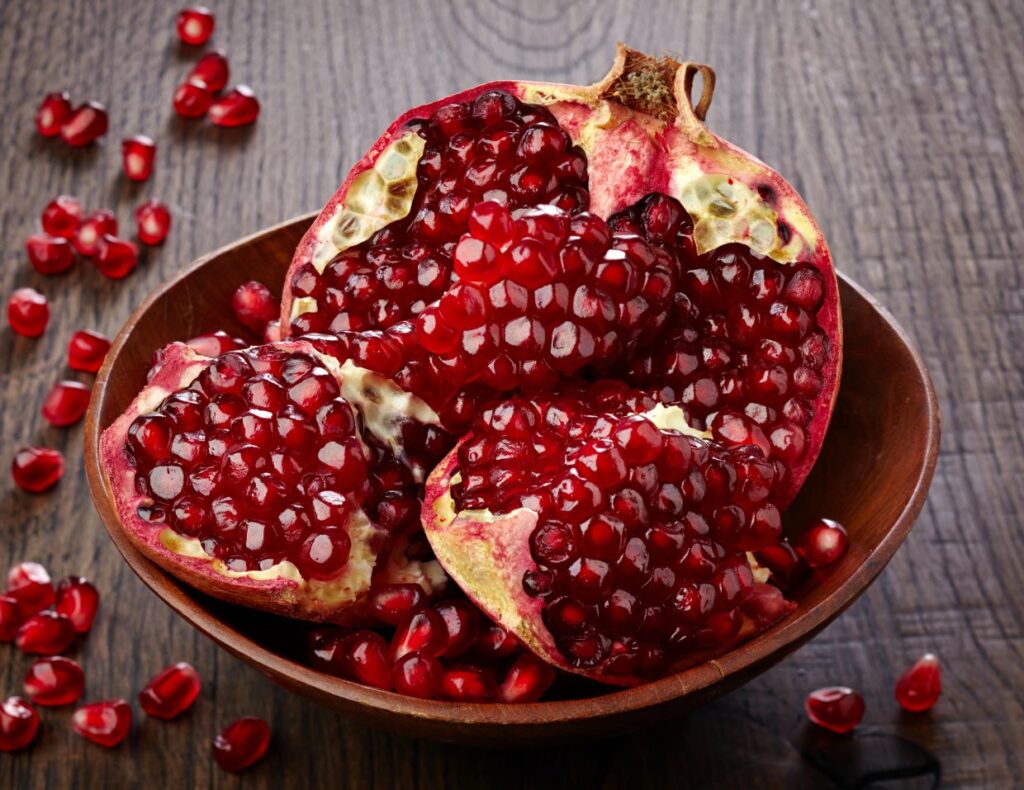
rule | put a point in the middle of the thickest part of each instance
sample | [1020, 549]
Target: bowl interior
[872, 476]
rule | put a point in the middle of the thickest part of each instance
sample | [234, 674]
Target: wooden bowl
[872, 476]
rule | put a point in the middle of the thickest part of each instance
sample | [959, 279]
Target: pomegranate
[824, 542]
[19, 723]
[237, 107]
[91, 230]
[54, 681]
[61, 216]
[241, 744]
[106, 723]
[171, 692]
[192, 98]
[919, 688]
[37, 469]
[117, 258]
[66, 403]
[137, 156]
[49, 254]
[254, 305]
[28, 312]
[212, 70]
[53, 111]
[86, 124]
[87, 350]
[836, 708]
[195, 25]
[77, 599]
[153, 222]
[47, 632]
[28, 583]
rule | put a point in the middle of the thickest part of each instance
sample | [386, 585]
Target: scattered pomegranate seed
[78, 599]
[19, 723]
[241, 744]
[237, 107]
[91, 231]
[49, 254]
[117, 257]
[254, 305]
[527, 680]
[28, 312]
[66, 403]
[106, 723]
[36, 469]
[53, 112]
[195, 25]
[170, 693]
[87, 123]
[29, 584]
[153, 222]
[54, 681]
[417, 675]
[212, 70]
[918, 689]
[61, 216]
[137, 155]
[192, 98]
[824, 542]
[366, 659]
[87, 350]
[836, 708]
[46, 632]
[10, 618]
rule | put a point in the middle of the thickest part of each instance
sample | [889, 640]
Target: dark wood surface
[901, 124]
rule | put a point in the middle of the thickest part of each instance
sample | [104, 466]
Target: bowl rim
[764, 648]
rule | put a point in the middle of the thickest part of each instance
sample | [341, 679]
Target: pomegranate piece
[106, 723]
[192, 99]
[86, 124]
[393, 603]
[137, 156]
[237, 107]
[211, 70]
[117, 258]
[28, 312]
[66, 403]
[171, 692]
[61, 216]
[87, 350]
[54, 681]
[241, 744]
[91, 230]
[10, 618]
[78, 600]
[153, 222]
[527, 680]
[49, 254]
[824, 542]
[46, 632]
[37, 469]
[836, 708]
[919, 688]
[53, 112]
[417, 675]
[195, 25]
[19, 724]
[254, 305]
[29, 584]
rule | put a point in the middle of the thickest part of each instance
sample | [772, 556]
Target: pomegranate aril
[254, 305]
[171, 692]
[237, 107]
[192, 99]
[417, 675]
[527, 680]
[91, 230]
[152, 222]
[87, 350]
[29, 584]
[28, 312]
[422, 632]
[824, 542]
[46, 632]
[78, 600]
[85, 124]
[392, 603]
[49, 254]
[117, 258]
[195, 25]
[19, 724]
[10, 618]
[212, 70]
[52, 113]
[66, 403]
[468, 684]
[106, 723]
[61, 216]
[835, 708]
[462, 624]
[54, 681]
[366, 659]
[919, 688]
[137, 155]
[241, 744]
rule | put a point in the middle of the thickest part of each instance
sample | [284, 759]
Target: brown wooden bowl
[872, 476]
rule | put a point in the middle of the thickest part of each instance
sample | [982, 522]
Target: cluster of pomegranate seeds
[241, 744]
[254, 305]
[65, 404]
[195, 25]
[919, 688]
[106, 723]
[197, 95]
[87, 350]
[137, 155]
[836, 708]
[824, 542]
[37, 469]
[42, 619]
[28, 312]
[54, 681]
[76, 127]
[19, 724]
[171, 692]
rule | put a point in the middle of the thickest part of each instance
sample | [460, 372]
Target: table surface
[902, 124]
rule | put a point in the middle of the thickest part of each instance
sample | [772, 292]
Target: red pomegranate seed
[495, 643]
[49, 254]
[417, 675]
[91, 231]
[527, 680]
[61, 216]
[215, 343]
[918, 688]
[195, 25]
[29, 584]
[272, 332]
[106, 723]
[53, 112]
[241, 744]
[87, 350]
[836, 708]
[462, 624]
[254, 305]
[824, 542]
[36, 469]
[137, 156]
[153, 222]
[212, 70]
[237, 107]
[170, 693]
[54, 681]
[366, 659]
[422, 632]
[117, 257]
[392, 603]
[86, 123]
[19, 723]
[66, 403]
[78, 599]
[46, 632]
[28, 312]
[468, 684]
[192, 98]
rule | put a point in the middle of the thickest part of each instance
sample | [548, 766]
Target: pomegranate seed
[241, 744]
[423, 632]
[78, 599]
[527, 680]
[192, 98]
[153, 222]
[106, 723]
[87, 350]
[468, 684]
[366, 659]
[824, 542]
[117, 257]
[237, 107]
[836, 708]
[19, 723]
[195, 25]
[87, 123]
[29, 584]
[495, 643]
[254, 305]
[66, 403]
[170, 693]
[272, 332]
[215, 344]
[45, 632]
[212, 70]
[28, 312]
[918, 688]
[137, 155]
[36, 469]
[462, 623]
[53, 112]
[49, 254]
[392, 603]
[61, 216]
[417, 675]
[91, 231]
[54, 681]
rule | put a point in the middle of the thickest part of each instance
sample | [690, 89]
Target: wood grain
[901, 124]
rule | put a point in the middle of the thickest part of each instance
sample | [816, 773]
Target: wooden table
[901, 124]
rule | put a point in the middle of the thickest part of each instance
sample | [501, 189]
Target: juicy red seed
[49, 254]
[392, 603]
[366, 659]
[237, 107]
[66, 403]
[824, 542]
[37, 469]
[92, 229]
[117, 258]
[29, 584]
[254, 305]
[19, 723]
[422, 632]
[468, 684]
[462, 622]
[212, 70]
[87, 350]
[85, 124]
[417, 675]
[195, 25]
[137, 155]
[152, 222]
[10, 618]
[324, 555]
[45, 632]
[106, 723]
[495, 643]
[78, 600]
[61, 216]
[54, 681]
[215, 344]
[171, 692]
[53, 112]
[28, 312]
[836, 708]
[241, 744]
[192, 99]
[527, 680]
[919, 688]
